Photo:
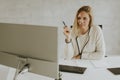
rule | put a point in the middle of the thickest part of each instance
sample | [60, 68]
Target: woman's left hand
[76, 57]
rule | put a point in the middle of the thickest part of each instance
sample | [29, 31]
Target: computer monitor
[38, 45]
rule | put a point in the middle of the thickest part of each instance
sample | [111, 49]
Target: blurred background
[53, 12]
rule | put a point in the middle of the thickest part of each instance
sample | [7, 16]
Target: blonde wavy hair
[76, 29]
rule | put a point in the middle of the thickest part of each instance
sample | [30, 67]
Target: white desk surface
[96, 69]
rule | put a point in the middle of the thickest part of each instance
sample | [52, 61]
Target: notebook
[72, 69]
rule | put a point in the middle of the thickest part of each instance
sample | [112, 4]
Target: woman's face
[83, 20]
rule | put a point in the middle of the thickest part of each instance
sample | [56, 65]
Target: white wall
[53, 12]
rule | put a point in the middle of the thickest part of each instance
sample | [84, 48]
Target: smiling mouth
[81, 24]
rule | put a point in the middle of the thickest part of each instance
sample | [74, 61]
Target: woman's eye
[84, 18]
[79, 18]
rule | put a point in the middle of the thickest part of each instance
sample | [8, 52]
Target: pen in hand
[66, 28]
[64, 24]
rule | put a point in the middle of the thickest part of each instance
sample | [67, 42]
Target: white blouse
[95, 45]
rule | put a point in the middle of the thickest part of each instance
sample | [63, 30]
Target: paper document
[100, 63]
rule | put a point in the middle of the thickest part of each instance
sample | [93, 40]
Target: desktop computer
[32, 46]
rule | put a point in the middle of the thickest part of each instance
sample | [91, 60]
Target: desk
[96, 69]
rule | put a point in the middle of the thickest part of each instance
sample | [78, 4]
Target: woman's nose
[81, 20]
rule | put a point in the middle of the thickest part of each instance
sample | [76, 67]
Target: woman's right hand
[66, 32]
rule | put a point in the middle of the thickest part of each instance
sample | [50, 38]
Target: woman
[87, 40]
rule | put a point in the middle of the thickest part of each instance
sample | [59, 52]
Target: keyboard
[72, 69]
[115, 71]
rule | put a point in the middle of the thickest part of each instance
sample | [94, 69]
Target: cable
[20, 70]
[17, 69]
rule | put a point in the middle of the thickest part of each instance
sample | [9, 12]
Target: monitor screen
[37, 43]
